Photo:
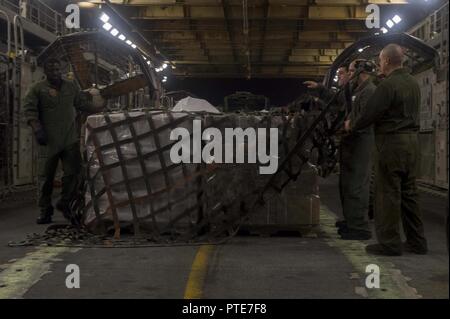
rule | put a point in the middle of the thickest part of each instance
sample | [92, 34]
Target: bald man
[393, 109]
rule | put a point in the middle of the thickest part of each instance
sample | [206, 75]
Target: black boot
[45, 217]
[415, 250]
[351, 234]
[380, 250]
[63, 207]
[341, 223]
[342, 229]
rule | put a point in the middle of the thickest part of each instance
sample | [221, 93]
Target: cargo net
[132, 188]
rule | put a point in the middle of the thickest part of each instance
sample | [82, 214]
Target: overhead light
[144, 57]
[377, 33]
[128, 42]
[114, 32]
[389, 23]
[158, 70]
[122, 37]
[104, 17]
[148, 62]
[173, 67]
[397, 19]
[384, 30]
[107, 26]
[164, 65]
[360, 50]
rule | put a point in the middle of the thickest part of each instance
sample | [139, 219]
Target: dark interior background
[279, 91]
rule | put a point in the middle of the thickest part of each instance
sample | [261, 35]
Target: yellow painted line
[194, 286]
[17, 277]
[393, 284]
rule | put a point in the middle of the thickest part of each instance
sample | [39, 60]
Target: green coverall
[355, 152]
[394, 111]
[56, 110]
[356, 163]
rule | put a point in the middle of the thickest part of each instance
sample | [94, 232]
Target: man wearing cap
[50, 108]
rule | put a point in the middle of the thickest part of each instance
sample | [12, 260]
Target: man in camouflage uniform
[50, 108]
[393, 109]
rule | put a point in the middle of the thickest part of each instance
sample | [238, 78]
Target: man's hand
[98, 102]
[39, 132]
[347, 126]
[311, 84]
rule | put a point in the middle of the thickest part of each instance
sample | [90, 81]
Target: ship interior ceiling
[193, 226]
[281, 42]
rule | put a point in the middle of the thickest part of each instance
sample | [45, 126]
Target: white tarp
[190, 104]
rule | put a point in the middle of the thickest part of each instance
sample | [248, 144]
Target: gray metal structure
[434, 31]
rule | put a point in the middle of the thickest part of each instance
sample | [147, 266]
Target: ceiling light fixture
[107, 26]
[389, 23]
[104, 17]
[397, 19]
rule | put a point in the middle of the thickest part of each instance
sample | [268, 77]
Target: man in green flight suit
[50, 108]
[393, 109]
[340, 107]
[355, 156]
[355, 150]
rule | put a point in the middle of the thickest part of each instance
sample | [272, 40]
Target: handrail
[8, 100]
[17, 22]
[8, 56]
[40, 14]
[8, 23]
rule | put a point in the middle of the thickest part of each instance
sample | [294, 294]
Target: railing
[38, 13]
[434, 30]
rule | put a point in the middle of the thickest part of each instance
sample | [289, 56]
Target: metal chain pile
[62, 235]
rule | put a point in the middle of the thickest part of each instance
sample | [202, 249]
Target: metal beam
[281, 45]
[254, 3]
[230, 33]
[290, 12]
[305, 62]
[264, 31]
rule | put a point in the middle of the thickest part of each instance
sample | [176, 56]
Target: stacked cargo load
[134, 183]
